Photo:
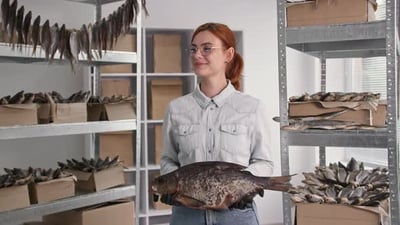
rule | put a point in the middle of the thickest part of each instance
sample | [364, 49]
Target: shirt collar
[218, 100]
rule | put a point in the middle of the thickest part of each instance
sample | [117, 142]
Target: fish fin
[190, 202]
[279, 183]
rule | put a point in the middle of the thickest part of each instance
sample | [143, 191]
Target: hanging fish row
[111, 99]
[90, 165]
[18, 176]
[349, 184]
[41, 98]
[99, 36]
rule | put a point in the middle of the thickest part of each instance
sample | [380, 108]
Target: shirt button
[209, 151]
[210, 129]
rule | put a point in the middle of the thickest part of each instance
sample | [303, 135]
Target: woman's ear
[229, 53]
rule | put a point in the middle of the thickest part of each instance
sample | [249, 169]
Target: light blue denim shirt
[230, 127]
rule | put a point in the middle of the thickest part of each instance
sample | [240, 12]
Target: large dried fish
[35, 34]
[26, 26]
[74, 40]
[46, 38]
[62, 41]
[18, 26]
[5, 8]
[84, 42]
[104, 34]
[12, 19]
[55, 40]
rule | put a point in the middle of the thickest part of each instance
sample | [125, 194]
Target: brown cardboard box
[97, 181]
[124, 43]
[68, 113]
[18, 114]
[43, 114]
[52, 190]
[167, 53]
[158, 139]
[111, 111]
[14, 197]
[110, 214]
[330, 12]
[162, 92]
[359, 112]
[119, 143]
[327, 214]
[110, 87]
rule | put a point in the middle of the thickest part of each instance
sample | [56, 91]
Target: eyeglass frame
[193, 49]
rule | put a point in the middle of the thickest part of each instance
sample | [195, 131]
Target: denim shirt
[230, 127]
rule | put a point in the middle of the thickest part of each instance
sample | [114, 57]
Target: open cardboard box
[358, 112]
[324, 12]
[52, 190]
[18, 114]
[68, 113]
[14, 197]
[109, 214]
[96, 181]
[337, 214]
[111, 111]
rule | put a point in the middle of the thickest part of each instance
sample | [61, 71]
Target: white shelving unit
[8, 55]
[378, 38]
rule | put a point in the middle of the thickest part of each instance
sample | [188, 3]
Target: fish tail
[279, 183]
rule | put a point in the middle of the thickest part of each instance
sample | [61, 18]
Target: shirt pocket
[235, 141]
[188, 138]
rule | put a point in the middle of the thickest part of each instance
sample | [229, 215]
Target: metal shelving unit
[379, 38]
[8, 55]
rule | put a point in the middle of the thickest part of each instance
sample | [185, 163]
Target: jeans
[182, 215]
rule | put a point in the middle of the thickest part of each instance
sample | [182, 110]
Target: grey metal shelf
[8, 54]
[18, 216]
[339, 138]
[94, 2]
[379, 38]
[46, 130]
[340, 41]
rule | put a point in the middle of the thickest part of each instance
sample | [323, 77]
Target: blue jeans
[182, 215]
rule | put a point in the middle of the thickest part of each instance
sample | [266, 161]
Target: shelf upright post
[322, 149]
[138, 108]
[392, 9]
[283, 112]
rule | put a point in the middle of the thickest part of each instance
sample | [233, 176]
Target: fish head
[165, 184]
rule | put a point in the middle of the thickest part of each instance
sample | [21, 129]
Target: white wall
[256, 18]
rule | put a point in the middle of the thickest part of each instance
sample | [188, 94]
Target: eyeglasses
[204, 50]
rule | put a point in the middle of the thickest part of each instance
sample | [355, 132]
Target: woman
[216, 122]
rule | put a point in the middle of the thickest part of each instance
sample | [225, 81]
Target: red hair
[225, 34]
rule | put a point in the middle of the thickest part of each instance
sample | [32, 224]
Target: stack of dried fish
[328, 120]
[349, 184]
[14, 177]
[336, 97]
[90, 165]
[42, 175]
[42, 98]
[99, 36]
[112, 99]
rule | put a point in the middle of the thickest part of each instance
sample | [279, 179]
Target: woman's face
[209, 56]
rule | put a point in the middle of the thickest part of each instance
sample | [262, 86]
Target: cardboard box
[122, 144]
[14, 197]
[162, 92]
[167, 53]
[110, 214]
[125, 42]
[158, 145]
[52, 190]
[43, 114]
[111, 111]
[324, 12]
[18, 114]
[328, 214]
[68, 113]
[110, 87]
[97, 181]
[358, 112]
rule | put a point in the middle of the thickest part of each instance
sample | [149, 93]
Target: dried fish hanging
[349, 184]
[90, 165]
[70, 43]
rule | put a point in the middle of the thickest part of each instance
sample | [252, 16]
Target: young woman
[216, 122]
